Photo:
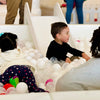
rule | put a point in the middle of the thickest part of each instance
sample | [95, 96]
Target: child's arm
[68, 60]
[77, 52]
[85, 56]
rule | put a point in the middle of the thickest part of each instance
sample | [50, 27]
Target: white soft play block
[76, 95]
[22, 31]
[28, 96]
[36, 11]
[42, 31]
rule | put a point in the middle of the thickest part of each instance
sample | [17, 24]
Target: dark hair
[57, 28]
[95, 40]
[8, 41]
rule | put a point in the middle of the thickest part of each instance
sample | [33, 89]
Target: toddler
[59, 47]
[13, 63]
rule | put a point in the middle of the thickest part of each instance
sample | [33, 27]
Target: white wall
[92, 3]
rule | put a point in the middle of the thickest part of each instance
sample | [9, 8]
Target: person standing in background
[79, 9]
[12, 8]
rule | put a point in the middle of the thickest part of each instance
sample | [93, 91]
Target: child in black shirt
[59, 47]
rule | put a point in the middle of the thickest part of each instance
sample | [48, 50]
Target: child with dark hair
[86, 76]
[8, 41]
[59, 47]
[13, 63]
[95, 48]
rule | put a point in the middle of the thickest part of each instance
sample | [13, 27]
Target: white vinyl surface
[29, 96]
[41, 27]
[22, 31]
[76, 95]
[42, 31]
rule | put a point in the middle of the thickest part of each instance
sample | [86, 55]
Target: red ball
[95, 19]
[2, 93]
[63, 5]
[6, 86]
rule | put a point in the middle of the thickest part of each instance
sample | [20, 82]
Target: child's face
[64, 35]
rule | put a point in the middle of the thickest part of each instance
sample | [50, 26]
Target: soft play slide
[41, 28]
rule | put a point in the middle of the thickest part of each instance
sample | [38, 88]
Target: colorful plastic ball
[21, 87]
[8, 85]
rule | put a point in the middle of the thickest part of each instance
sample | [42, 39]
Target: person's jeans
[79, 8]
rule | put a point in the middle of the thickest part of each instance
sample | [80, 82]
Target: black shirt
[60, 51]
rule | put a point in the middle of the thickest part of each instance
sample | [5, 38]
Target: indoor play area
[33, 39]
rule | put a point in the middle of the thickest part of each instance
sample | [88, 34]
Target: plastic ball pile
[10, 89]
[49, 69]
[44, 69]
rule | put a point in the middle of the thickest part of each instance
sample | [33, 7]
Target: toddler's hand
[68, 60]
[85, 56]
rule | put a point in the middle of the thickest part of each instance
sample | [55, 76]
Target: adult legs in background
[12, 8]
[79, 8]
[69, 10]
[21, 9]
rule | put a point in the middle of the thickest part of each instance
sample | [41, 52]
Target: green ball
[14, 81]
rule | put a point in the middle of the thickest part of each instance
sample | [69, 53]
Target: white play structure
[91, 12]
[37, 31]
[91, 15]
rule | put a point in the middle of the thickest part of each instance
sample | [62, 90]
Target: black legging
[24, 74]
